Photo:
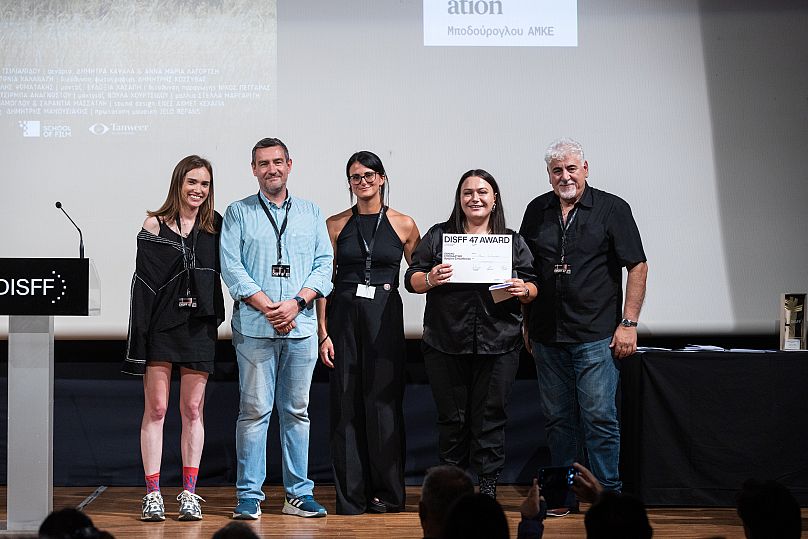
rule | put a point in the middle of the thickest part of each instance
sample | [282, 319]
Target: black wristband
[324, 339]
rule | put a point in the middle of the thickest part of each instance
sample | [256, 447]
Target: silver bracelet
[426, 280]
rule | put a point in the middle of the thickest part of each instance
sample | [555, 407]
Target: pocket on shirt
[592, 238]
[547, 244]
[301, 243]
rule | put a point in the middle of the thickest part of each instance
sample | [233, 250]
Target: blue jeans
[273, 371]
[577, 384]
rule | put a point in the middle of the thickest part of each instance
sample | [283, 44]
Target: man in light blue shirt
[276, 259]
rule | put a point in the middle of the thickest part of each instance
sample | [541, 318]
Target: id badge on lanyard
[189, 263]
[563, 268]
[280, 269]
[365, 291]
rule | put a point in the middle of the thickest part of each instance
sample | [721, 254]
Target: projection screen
[693, 112]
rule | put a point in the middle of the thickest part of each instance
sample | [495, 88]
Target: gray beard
[567, 194]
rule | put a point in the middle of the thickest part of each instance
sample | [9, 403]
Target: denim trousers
[273, 371]
[577, 385]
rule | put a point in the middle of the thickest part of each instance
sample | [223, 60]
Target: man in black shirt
[579, 327]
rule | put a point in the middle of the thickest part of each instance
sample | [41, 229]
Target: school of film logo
[31, 128]
[35, 128]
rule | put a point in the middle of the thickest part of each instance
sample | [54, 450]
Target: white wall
[694, 112]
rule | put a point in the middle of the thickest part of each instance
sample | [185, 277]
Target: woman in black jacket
[471, 343]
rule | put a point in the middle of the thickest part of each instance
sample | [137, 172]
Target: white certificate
[478, 258]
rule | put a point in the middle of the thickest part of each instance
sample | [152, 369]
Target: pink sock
[153, 483]
[189, 476]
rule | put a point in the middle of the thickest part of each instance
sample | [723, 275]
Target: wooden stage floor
[117, 510]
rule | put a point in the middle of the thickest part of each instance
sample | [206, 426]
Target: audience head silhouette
[69, 523]
[617, 516]
[442, 486]
[476, 516]
[768, 510]
[235, 530]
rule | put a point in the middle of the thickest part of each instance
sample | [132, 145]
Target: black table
[696, 425]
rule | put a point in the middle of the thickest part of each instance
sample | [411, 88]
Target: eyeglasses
[369, 177]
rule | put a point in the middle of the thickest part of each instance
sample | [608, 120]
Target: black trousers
[367, 390]
[471, 392]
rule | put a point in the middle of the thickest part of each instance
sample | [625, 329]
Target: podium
[32, 292]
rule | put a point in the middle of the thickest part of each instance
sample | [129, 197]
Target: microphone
[81, 237]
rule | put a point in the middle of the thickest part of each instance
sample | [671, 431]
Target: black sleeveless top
[351, 253]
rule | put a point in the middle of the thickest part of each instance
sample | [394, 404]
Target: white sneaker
[153, 508]
[189, 506]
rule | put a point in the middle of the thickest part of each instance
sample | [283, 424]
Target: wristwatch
[301, 304]
[625, 322]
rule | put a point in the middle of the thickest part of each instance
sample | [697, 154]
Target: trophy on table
[792, 322]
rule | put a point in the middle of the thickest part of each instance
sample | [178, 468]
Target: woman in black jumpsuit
[362, 339]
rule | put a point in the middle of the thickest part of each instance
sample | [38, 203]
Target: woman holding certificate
[471, 341]
[361, 335]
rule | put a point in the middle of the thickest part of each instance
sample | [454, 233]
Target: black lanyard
[188, 253]
[564, 229]
[278, 233]
[368, 248]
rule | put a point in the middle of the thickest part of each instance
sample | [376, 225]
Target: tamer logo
[99, 129]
